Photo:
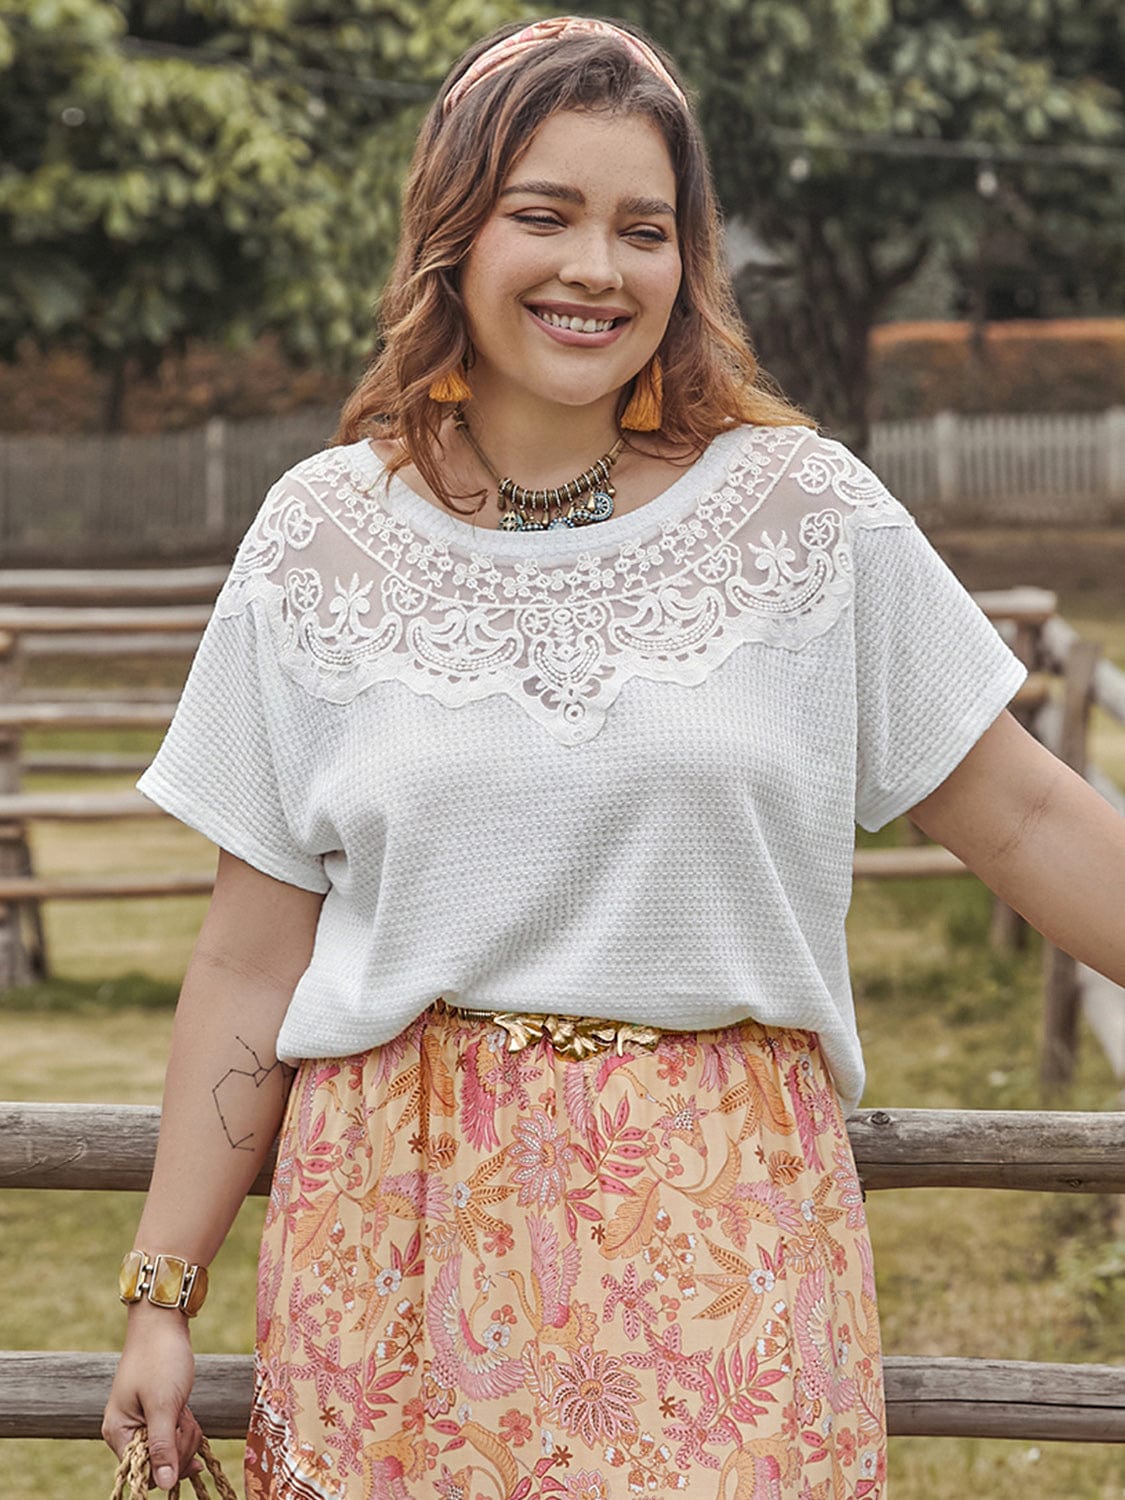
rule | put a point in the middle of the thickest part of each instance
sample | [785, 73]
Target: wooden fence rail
[119, 587]
[75, 715]
[40, 620]
[868, 864]
[61, 1395]
[111, 1147]
[163, 611]
[107, 1147]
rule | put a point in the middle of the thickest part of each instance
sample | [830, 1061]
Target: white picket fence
[107, 497]
[102, 499]
[1066, 467]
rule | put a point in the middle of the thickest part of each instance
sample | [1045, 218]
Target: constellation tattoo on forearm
[239, 1104]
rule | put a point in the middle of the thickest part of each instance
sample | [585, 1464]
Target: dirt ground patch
[1085, 568]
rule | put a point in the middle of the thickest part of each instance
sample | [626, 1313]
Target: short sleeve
[217, 768]
[932, 671]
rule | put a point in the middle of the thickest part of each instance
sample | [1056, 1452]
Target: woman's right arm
[224, 1094]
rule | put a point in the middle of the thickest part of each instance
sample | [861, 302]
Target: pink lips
[572, 336]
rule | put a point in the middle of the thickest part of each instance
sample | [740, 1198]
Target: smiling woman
[562, 182]
[537, 822]
[570, 283]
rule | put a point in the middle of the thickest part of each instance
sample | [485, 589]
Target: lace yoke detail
[355, 594]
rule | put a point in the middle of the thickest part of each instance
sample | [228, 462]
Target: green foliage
[147, 197]
[1094, 1276]
[848, 229]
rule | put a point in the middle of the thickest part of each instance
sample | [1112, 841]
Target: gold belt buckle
[577, 1037]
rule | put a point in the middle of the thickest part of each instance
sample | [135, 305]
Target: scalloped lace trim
[354, 595]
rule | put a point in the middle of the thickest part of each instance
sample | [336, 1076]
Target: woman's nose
[591, 263]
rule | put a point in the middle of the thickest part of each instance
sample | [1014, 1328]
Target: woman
[536, 853]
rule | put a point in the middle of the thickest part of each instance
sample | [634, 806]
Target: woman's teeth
[579, 325]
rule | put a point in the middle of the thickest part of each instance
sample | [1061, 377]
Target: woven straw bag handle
[134, 1475]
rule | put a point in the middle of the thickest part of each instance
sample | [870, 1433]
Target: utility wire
[1078, 155]
[314, 78]
[889, 145]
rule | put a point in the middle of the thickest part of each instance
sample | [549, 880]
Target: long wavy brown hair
[711, 375]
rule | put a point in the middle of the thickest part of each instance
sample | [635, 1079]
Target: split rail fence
[110, 1147]
[92, 1146]
[95, 614]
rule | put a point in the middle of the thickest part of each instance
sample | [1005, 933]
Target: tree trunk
[113, 398]
[811, 325]
[815, 347]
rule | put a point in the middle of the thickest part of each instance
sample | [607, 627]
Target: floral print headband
[511, 48]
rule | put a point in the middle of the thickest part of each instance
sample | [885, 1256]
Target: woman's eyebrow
[645, 207]
[543, 189]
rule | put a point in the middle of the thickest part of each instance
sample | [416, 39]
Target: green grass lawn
[945, 1023]
[1106, 626]
[1009, 1275]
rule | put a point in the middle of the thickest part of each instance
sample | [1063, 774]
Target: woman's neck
[539, 443]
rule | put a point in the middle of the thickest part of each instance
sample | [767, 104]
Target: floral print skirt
[495, 1275]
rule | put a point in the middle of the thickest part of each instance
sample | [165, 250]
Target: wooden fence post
[215, 476]
[947, 469]
[15, 962]
[1008, 931]
[1114, 448]
[1060, 972]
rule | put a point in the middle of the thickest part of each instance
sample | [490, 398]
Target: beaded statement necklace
[562, 505]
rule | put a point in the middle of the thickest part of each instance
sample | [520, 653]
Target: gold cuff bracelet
[166, 1280]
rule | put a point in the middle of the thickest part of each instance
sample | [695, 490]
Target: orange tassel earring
[645, 411]
[452, 387]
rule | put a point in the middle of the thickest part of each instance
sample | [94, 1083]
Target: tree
[214, 169]
[846, 229]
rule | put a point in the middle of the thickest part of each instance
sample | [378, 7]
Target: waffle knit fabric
[618, 765]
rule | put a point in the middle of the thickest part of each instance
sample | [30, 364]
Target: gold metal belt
[572, 1036]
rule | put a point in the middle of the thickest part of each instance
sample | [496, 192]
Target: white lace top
[610, 771]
